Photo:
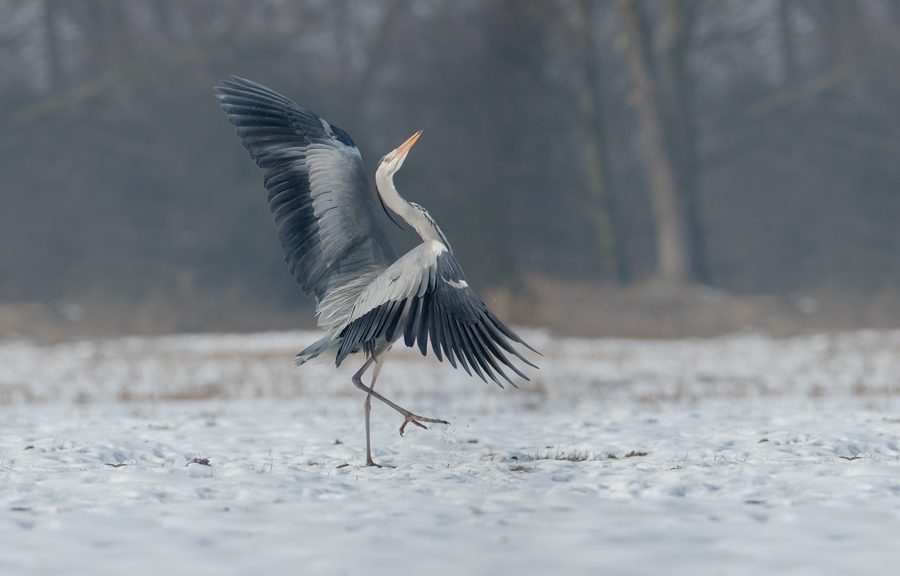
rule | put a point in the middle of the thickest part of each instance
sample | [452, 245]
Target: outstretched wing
[424, 295]
[325, 213]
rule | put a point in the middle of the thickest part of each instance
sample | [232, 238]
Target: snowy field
[736, 455]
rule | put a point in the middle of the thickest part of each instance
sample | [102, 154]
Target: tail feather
[323, 350]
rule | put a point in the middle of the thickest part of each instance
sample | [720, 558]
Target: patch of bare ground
[62, 320]
[591, 309]
[568, 308]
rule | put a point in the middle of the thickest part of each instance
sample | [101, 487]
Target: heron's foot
[417, 420]
[370, 462]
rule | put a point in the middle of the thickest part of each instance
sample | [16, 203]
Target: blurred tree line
[750, 145]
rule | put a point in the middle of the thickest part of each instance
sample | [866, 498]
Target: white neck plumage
[412, 213]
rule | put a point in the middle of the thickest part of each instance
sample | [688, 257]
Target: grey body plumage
[337, 248]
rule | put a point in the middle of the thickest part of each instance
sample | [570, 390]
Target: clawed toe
[415, 420]
[412, 419]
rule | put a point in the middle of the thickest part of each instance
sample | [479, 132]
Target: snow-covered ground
[736, 455]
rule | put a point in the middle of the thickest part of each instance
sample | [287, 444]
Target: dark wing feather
[425, 295]
[325, 213]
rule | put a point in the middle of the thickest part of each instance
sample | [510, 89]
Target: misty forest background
[633, 168]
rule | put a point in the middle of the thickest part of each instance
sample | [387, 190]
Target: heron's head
[392, 161]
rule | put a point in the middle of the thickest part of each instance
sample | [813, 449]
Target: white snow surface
[736, 455]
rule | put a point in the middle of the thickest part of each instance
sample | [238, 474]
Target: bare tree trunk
[788, 52]
[672, 252]
[675, 95]
[595, 158]
[52, 39]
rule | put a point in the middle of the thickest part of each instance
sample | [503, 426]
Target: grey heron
[337, 248]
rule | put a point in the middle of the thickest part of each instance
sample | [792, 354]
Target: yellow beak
[404, 148]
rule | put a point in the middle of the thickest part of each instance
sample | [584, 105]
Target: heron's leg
[367, 407]
[408, 416]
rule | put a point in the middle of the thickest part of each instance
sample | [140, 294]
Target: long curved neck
[413, 214]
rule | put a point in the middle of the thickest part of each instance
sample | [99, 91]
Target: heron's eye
[386, 159]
